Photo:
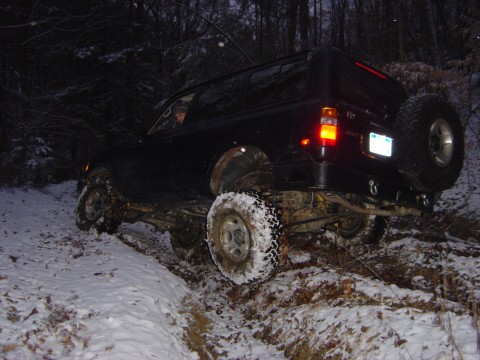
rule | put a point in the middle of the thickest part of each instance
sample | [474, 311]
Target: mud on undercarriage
[245, 222]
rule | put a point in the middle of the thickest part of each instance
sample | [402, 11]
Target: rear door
[367, 101]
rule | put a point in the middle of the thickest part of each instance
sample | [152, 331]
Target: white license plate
[380, 144]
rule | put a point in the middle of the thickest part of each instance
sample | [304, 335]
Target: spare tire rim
[235, 238]
[95, 205]
[441, 142]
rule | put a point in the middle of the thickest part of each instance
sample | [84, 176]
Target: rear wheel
[243, 236]
[99, 206]
[359, 229]
[188, 236]
[430, 146]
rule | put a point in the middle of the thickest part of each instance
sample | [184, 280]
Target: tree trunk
[401, 45]
[432, 21]
[292, 24]
[304, 22]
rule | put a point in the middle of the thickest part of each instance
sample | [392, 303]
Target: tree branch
[216, 28]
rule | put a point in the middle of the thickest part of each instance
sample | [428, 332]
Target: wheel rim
[441, 142]
[95, 205]
[351, 225]
[189, 235]
[235, 238]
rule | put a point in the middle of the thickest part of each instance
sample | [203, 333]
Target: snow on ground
[64, 293]
[71, 294]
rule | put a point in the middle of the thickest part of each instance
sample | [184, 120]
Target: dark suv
[311, 142]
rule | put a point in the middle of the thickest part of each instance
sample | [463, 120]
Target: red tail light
[305, 142]
[328, 127]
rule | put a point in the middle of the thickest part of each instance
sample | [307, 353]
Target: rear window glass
[277, 82]
[362, 86]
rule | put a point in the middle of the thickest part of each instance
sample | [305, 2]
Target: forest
[78, 77]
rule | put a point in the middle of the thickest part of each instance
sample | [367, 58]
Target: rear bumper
[324, 176]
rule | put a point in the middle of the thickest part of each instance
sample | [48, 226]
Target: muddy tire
[359, 229]
[188, 238]
[430, 144]
[243, 236]
[99, 206]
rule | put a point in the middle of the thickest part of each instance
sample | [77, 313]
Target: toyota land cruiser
[311, 142]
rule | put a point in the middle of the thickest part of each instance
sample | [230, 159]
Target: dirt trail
[439, 270]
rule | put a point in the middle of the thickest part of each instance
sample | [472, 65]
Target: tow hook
[425, 200]
[373, 187]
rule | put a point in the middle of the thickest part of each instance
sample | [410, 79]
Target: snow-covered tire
[430, 144]
[243, 236]
[100, 206]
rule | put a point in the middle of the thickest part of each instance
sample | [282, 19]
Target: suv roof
[343, 78]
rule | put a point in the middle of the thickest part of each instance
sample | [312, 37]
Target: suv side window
[261, 86]
[277, 82]
[174, 115]
[218, 98]
[293, 80]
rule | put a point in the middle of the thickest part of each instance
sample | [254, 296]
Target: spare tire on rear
[430, 145]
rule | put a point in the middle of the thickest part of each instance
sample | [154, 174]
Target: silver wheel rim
[95, 205]
[235, 238]
[441, 142]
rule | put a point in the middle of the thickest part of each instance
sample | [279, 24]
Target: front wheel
[99, 206]
[243, 236]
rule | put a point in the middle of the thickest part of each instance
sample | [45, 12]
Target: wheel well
[98, 171]
[242, 167]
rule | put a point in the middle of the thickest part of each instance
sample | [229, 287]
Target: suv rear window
[365, 88]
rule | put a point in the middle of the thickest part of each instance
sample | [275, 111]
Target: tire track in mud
[435, 264]
[218, 327]
[426, 261]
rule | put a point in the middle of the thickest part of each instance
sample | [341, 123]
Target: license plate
[380, 144]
